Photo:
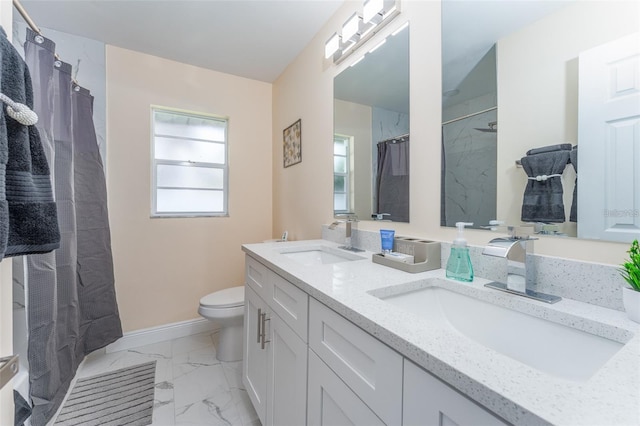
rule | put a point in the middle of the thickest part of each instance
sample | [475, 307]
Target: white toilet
[226, 309]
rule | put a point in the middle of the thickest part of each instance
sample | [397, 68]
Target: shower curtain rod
[26, 17]
[396, 139]
[469, 115]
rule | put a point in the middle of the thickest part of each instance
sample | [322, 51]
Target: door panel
[609, 141]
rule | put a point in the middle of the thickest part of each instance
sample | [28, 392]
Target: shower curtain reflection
[392, 179]
[71, 304]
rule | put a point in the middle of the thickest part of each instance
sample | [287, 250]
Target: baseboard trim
[148, 336]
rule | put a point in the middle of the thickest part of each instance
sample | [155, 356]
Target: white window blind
[190, 170]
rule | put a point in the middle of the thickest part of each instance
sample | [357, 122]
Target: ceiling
[255, 39]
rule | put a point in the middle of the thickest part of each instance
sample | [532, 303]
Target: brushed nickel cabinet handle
[264, 320]
[259, 317]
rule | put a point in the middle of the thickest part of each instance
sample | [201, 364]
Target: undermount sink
[552, 348]
[319, 255]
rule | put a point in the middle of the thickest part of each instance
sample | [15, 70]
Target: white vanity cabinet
[274, 369]
[428, 401]
[306, 364]
[254, 360]
[371, 369]
[331, 402]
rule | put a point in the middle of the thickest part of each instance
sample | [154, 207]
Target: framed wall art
[292, 140]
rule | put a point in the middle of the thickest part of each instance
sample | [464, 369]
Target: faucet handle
[516, 232]
[379, 216]
[349, 217]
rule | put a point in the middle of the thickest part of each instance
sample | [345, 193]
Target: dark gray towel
[28, 219]
[550, 148]
[542, 201]
[573, 215]
[22, 409]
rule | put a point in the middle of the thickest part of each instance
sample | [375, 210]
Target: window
[190, 170]
[341, 168]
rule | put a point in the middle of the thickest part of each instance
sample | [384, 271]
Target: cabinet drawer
[290, 303]
[369, 367]
[257, 277]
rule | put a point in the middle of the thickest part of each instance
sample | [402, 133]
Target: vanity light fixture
[350, 28]
[332, 45]
[371, 10]
[367, 30]
[360, 27]
[348, 47]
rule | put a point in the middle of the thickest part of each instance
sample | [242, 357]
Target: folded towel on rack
[542, 200]
[573, 215]
[28, 217]
[550, 148]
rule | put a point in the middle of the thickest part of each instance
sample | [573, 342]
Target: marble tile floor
[192, 386]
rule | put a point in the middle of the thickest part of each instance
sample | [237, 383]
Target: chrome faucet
[349, 221]
[519, 273]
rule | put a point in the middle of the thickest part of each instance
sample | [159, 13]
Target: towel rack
[519, 163]
[9, 367]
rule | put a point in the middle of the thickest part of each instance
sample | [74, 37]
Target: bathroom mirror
[371, 132]
[510, 84]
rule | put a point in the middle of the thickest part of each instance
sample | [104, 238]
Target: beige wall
[540, 64]
[354, 120]
[164, 266]
[302, 194]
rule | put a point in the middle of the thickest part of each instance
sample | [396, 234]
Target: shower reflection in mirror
[469, 146]
[371, 133]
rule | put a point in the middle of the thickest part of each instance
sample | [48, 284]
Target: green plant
[630, 270]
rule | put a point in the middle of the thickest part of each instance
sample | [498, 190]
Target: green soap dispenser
[459, 264]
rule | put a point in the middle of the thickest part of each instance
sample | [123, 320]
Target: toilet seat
[228, 298]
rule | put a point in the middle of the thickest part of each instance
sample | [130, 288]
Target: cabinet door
[369, 367]
[428, 401]
[254, 363]
[331, 402]
[287, 391]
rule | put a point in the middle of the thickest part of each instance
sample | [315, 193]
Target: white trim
[148, 336]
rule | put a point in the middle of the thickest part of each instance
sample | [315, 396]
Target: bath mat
[121, 397]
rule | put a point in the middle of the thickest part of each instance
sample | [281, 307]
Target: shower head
[492, 127]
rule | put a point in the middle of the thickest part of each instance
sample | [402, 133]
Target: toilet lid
[227, 298]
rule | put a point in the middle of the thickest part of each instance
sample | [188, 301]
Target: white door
[287, 394]
[254, 362]
[609, 141]
[428, 401]
[331, 402]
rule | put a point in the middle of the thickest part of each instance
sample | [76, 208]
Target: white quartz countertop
[514, 391]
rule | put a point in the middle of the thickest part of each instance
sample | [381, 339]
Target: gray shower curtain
[392, 179]
[71, 302]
